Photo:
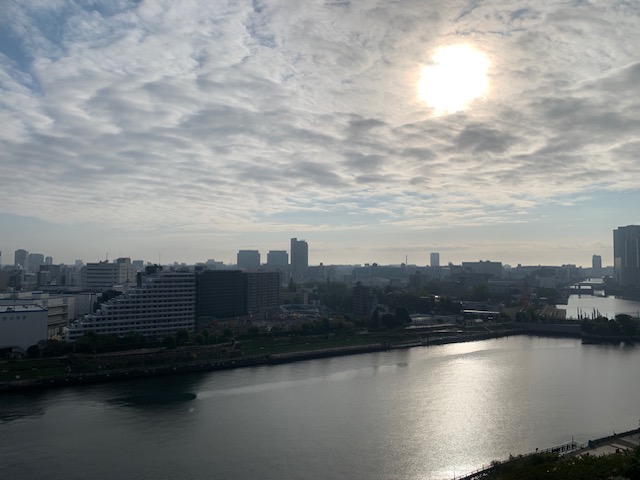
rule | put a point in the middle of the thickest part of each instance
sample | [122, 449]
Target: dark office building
[626, 255]
[221, 294]
[232, 293]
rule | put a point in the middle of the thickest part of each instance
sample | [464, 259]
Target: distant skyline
[190, 130]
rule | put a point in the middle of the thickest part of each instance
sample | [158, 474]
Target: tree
[402, 316]
[208, 338]
[374, 320]
[182, 337]
[253, 330]
[169, 342]
[480, 292]
[628, 325]
[388, 320]
[33, 351]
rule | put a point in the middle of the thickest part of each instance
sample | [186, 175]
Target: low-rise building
[22, 326]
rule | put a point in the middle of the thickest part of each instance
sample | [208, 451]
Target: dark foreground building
[221, 294]
[232, 293]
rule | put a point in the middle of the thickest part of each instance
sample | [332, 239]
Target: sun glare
[456, 76]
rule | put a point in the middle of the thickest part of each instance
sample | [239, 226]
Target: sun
[456, 76]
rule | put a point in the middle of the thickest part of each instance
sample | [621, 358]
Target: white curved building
[163, 303]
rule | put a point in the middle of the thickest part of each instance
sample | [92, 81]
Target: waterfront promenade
[616, 443]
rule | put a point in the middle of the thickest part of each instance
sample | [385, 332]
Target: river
[420, 413]
[586, 306]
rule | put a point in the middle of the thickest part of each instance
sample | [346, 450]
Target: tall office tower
[163, 303]
[435, 259]
[248, 260]
[299, 258]
[596, 266]
[277, 258]
[34, 260]
[626, 255]
[48, 260]
[21, 258]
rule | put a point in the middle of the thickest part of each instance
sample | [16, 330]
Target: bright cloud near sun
[456, 76]
[200, 128]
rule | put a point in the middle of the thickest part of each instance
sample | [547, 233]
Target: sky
[186, 131]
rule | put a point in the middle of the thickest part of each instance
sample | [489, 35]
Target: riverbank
[100, 368]
[116, 366]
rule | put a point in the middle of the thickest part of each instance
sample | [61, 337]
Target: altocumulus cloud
[268, 115]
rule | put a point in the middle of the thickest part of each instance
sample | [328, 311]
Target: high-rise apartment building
[364, 300]
[626, 255]
[163, 303]
[248, 260]
[434, 259]
[299, 258]
[263, 291]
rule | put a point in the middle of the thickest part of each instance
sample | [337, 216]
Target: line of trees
[621, 326]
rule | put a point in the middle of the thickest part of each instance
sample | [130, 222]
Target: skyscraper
[435, 259]
[20, 258]
[299, 258]
[248, 259]
[626, 255]
[277, 258]
[34, 260]
[596, 266]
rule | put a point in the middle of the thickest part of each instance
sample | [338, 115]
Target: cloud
[229, 114]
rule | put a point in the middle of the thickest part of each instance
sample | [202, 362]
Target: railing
[562, 449]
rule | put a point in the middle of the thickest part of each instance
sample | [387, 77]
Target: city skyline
[184, 132]
[252, 259]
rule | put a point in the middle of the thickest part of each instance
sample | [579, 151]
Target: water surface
[420, 413]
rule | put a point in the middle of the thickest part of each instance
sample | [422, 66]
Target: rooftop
[21, 308]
